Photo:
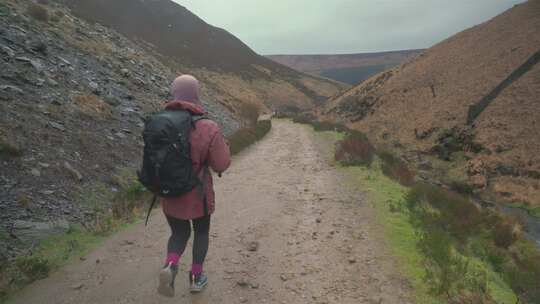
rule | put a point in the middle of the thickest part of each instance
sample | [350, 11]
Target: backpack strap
[195, 118]
[150, 208]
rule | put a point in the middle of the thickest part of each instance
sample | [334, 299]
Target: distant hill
[217, 57]
[347, 68]
[472, 99]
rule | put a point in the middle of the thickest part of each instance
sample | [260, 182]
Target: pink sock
[196, 269]
[172, 258]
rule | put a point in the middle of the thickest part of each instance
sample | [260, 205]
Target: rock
[94, 86]
[243, 300]
[505, 169]
[124, 72]
[253, 246]
[39, 46]
[283, 277]
[52, 82]
[254, 285]
[77, 286]
[11, 88]
[318, 220]
[73, 172]
[64, 61]
[139, 81]
[242, 283]
[352, 260]
[8, 51]
[35, 172]
[28, 231]
[23, 59]
[57, 126]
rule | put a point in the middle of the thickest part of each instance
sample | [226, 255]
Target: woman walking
[209, 150]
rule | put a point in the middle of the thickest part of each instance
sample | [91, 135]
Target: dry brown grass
[355, 149]
[38, 12]
[250, 113]
[92, 105]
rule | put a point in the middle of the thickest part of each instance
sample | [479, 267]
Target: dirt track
[317, 242]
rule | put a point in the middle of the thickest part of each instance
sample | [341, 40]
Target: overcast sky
[344, 26]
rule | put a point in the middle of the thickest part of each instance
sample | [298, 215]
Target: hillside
[472, 100]
[221, 60]
[347, 68]
[72, 101]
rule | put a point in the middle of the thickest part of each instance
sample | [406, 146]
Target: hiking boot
[166, 280]
[197, 282]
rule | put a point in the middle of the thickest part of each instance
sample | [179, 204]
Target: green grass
[59, 250]
[50, 255]
[400, 234]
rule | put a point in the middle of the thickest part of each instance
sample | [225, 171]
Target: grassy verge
[124, 210]
[441, 268]
[244, 137]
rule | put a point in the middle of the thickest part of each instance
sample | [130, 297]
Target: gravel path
[286, 230]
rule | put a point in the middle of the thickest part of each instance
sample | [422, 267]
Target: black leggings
[181, 231]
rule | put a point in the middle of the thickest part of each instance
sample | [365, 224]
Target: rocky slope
[212, 54]
[348, 68]
[472, 99]
[73, 96]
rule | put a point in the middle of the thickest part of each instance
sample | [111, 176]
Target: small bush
[8, 150]
[304, 118]
[38, 12]
[250, 112]
[396, 169]
[445, 218]
[506, 232]
[328, 126]
[355, 149]
[244, 137]
[131, 195]
[462, 187]
[34, 268]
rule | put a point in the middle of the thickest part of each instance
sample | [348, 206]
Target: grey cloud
[344, 26]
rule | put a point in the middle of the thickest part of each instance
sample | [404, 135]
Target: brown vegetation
[355, 149]
[425, 103]
[92, 105]
[38, 12]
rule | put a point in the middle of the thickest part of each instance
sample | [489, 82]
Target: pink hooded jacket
[208, 147]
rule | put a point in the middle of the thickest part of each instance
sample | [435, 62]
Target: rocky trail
[286, 230]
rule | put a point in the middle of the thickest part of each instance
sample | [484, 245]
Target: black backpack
[167, 169]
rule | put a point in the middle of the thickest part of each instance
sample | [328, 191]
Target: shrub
[523, 273]
[92, 105]
[355, 149]
[8, 150]
[34, 268]
[244, 137]
[437, 207]
[328, 126]
[130, 197]
[250, 112]
[445, 218]
[448, 272]
[38, 12]
[461, 187]
[396, 169]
